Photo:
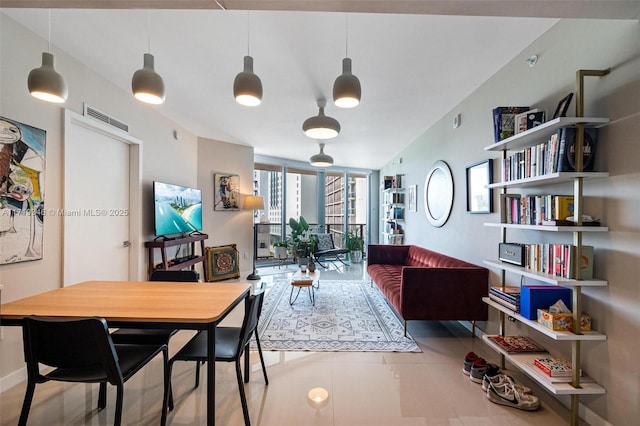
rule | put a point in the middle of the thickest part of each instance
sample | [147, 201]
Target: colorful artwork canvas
[221, 263]
[227, 192]
[22, 161]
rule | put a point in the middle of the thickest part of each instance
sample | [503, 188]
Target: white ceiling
[414, 68]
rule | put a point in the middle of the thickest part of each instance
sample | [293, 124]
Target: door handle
[126, 244]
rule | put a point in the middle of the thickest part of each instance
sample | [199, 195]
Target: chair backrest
[177, 276]
[250, 322]
[83, 344]
[260, 290]
[324, 242]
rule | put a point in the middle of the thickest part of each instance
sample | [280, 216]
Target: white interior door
[97, 202]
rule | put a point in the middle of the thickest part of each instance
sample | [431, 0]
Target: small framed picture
[479, 197]
[226, 193]
[412, 198]
[521, 122]
[563, 106]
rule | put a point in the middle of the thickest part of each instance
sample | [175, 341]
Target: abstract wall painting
[22, 162]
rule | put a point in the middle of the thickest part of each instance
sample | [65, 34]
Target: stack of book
[508, 296]
[554, 367]
[555, 370]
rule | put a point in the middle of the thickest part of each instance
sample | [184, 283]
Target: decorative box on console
[534, 297]
[511, 253]
[562, 322]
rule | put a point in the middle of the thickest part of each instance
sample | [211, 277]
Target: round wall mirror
[438, 193]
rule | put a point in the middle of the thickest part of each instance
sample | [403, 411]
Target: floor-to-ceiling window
[346, 204]
[329, 201]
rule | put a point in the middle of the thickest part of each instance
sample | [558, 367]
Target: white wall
[227, 227]
[569, 46]
[163, 158]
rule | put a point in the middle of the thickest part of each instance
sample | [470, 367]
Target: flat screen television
[178, 209]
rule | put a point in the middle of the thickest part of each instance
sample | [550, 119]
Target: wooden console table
[170, 264]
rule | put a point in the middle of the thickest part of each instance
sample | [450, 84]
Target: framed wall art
[479, 197]
[22, 161]
[412, 198]
[226, 195]
[221, 263]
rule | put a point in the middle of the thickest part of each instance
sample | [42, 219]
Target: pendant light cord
[49, 34]
[148, 31]
[346, 36]
[248, 34]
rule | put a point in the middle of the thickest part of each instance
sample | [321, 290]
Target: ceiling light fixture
[247, 87]
[346, 88]
[45, 83]
[321, 159]
[320, 126]
[146, 84]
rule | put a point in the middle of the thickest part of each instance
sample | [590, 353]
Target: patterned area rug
[347, 316]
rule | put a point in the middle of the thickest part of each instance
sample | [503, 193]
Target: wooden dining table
[140, 304]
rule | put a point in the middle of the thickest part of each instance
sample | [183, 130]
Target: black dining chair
[231, 343]
[149, 336]
[81, 350]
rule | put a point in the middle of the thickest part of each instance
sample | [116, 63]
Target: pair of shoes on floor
[476, 367]
[469, 359]
[505, 392]
[481, 368]
[499, 380]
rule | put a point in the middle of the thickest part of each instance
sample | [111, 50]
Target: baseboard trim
[15, 378]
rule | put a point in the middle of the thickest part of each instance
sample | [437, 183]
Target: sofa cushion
[389, 279]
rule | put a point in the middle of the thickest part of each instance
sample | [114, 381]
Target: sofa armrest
[387, 254]
[444, 293]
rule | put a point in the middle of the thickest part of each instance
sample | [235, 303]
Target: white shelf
[523, 363]
[534, 135]
[555, 335]
[393, 190]
[549, 228]
[549, 179]
[546, 278]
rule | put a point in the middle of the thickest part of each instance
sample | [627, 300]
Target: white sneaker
[509, 396]
[500, 380]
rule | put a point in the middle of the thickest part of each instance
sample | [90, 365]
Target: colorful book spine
[563, 206]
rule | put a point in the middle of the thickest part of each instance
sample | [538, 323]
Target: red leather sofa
[424, 285]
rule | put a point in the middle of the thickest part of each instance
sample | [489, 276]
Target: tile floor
[384, 389]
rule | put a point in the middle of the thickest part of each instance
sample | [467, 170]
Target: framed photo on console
[221, 263]
[479, 197]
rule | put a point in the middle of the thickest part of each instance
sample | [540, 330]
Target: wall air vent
[94, 113]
